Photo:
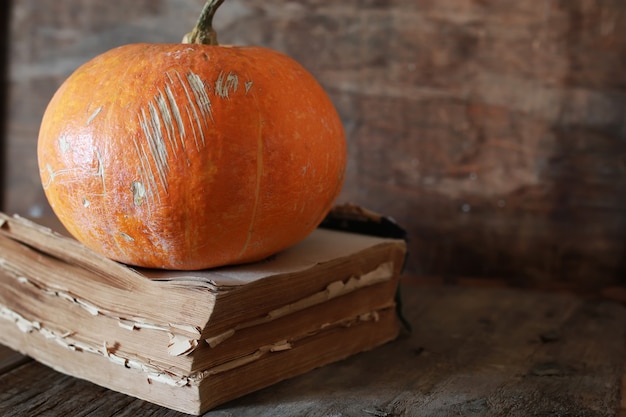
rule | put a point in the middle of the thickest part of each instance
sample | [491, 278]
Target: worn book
[190, 340]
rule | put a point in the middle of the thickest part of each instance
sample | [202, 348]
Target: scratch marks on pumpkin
[64, 144]
[151, 127]
[147, 176]
[176, 113]
[93, 115]
[225, 83]
[248, 86]
[76, 175]
[127, 237]
[100, 171]
[200, 94]
[52, 175]
[180, 111]
[166, 115]
[192, 114]
[139, 192]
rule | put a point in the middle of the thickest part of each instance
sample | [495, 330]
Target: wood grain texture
[622, 409]
[10, 359]
[487, 352]
[4, 46]
[493, 131]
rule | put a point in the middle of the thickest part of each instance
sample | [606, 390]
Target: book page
[322, 245]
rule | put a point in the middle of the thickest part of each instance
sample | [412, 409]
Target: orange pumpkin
[190, 156]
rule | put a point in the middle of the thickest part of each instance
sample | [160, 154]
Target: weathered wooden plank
[488, 352]
[4, 93]
[622, 409]
[10, 359]
[34, 389]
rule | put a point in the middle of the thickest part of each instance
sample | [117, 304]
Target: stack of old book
[192, 340]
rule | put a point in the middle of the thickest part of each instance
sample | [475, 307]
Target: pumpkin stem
[203, 32]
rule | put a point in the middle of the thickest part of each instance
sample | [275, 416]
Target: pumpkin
[193, 155]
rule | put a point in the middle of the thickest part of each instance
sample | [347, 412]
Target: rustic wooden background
[494, 131]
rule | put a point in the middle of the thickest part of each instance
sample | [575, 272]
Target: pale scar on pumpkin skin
[53, 175]
[168, 119]
[93, 115]
[139, 193]
[192, 113]
[127, 237]
[64, 144]
[100, 172]
[200, 93]
[163, 123]
[225, 83]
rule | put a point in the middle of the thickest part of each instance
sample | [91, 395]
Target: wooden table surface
[472, 352]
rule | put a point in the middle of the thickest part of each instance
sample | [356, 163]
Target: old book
[193, 340]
